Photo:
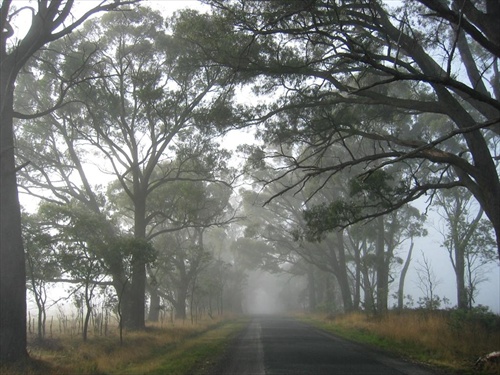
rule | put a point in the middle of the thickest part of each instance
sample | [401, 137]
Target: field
[175, 348]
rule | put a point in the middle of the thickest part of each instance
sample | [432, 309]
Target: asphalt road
[284, 346]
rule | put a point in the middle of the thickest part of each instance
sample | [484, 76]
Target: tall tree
[158, 125]
[194, 206]
[50, 20]
[327, 59]
[468, 240]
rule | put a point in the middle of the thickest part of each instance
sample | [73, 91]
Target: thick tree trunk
[180, 304]
[342, 276]
[136, 313]
[154, 305]
[137, 318]
[12, 266]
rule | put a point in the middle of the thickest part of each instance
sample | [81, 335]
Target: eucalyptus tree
[393, 66]
[277, 234]
[82, 242]
[42, 266]
[146, 102]
[181, 259]
[467, 237]
[50, 20]
[195, 206]
[295, 222]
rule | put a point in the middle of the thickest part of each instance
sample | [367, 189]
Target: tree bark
[137, 317]
[12, 262]
[136, 304]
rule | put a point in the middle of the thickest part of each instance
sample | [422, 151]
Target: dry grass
[66, 354]
[440, 338]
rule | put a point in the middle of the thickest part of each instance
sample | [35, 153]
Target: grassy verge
[441, 339]
[176, 349]
[190, 355]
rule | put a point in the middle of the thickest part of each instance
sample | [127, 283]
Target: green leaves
[137, 249]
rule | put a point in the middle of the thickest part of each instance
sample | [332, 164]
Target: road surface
[284, 346]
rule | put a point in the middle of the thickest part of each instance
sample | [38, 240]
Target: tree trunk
[402, 277]
[368, 291]
[342, 276]
[382, 268]
[12, 263]
[154, 305]
[357, 275]
[180, 305]
[462, 298]
[136, 314]
[86, 322]
[311, 285]
[137, 318]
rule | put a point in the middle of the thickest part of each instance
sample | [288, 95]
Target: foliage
[480, 316]
[371, 85]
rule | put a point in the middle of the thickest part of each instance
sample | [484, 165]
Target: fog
[267, 293]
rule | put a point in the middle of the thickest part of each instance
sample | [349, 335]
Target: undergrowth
[451, 339]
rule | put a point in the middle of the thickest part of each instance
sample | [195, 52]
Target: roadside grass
[451, 340]
[175, 349]
[191, 355]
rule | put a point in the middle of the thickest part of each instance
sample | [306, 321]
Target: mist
[272, 294]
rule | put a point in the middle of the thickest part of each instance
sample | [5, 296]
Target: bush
[479, 316]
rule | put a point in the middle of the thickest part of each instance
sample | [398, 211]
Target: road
[284, 346]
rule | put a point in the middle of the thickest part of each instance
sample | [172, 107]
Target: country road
[284, 346]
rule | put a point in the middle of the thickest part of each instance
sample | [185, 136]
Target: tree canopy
[414, 85]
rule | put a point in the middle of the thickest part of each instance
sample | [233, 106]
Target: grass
[200, 351]
[438, 338]
[176, 349]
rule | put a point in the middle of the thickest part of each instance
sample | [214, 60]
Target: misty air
[227, 187]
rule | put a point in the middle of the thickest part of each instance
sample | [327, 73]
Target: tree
[374, 246]
[85, 252]
[468, 240]
[402, 276]
[158, 127]
[428, 282]
[41, 266]
[51, 20]
[191, 207]
[277, 235]
[324, 60]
